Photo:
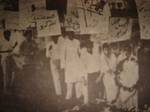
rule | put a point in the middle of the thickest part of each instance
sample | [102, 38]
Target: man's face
[55, 39]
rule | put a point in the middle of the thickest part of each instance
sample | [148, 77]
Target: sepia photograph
[74, 55]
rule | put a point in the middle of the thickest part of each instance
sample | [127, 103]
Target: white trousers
[70, 90]
[80, 89]
[54, 64]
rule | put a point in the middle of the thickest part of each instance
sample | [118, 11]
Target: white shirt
[92, 61]
[108, 63]
[73, 68]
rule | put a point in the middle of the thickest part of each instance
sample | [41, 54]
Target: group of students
[100, 73]
[97, 73]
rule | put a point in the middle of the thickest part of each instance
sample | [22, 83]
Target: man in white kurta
[73, 69]
[52, 52]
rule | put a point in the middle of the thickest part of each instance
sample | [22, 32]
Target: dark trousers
[93, 87]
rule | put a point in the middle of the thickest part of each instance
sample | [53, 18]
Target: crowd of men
[90, 71]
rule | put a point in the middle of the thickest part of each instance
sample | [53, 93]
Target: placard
[120, 29]
[143, 7]
[88, 17]
[47, 23]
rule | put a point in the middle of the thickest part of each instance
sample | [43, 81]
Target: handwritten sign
[88, 17]
[28, 10]
[47, 23]
[97, 15]
[120, 29]
[12, 20]
[144, 17]
[43, 14]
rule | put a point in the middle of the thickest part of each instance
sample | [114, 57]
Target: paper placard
[143, 7]
[85, 17]
[28, 10]
[47, 23]
[120, 29]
